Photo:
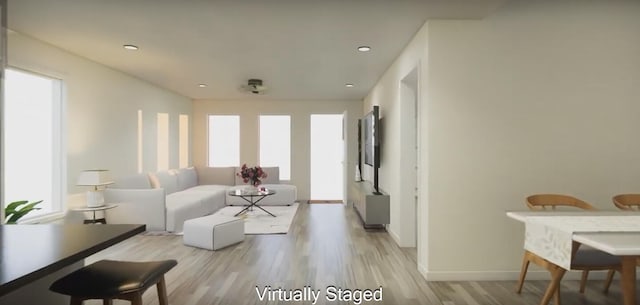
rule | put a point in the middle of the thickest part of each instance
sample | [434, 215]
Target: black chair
[108, 280]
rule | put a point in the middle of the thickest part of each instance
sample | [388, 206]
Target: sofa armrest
[137, 206]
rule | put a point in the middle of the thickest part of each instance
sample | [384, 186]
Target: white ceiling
[302, 49]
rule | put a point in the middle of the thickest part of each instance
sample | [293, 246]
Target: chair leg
[523, 272]
[607, 283]
[583, 280]
[162, 292]
[76, 301]
[137, 299]
[556, 297]
[553, 290]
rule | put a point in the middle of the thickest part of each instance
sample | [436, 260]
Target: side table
[102, 208]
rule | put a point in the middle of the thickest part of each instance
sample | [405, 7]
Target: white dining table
[625, 245]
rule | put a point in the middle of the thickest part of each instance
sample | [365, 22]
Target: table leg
[243, 210]
[554, 286]
[259, 207]
[252, 204]
[628, 280]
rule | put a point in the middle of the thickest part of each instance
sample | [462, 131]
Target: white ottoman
[213, 232]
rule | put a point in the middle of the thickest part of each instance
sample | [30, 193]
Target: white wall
[102, 109]
[300, 112]
[540, 97]
[393, 165]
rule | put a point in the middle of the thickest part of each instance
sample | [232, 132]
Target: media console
[372, 208]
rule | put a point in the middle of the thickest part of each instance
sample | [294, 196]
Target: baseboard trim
[455, 276]
[393, 235]
[423, 270]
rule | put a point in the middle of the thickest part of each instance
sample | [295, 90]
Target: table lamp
[95, 178]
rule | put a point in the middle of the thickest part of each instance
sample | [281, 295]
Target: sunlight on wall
[140, 128]
[183, 139]
[162, 150]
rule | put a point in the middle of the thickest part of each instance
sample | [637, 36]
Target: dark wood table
[30, 252]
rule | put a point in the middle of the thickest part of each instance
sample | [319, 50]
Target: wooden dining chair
[551, 201]
[585, 259]
[627, 202]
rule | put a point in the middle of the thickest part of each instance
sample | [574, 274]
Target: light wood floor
[325, 246]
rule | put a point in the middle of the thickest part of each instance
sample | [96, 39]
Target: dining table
[33, 256]
[614, 232]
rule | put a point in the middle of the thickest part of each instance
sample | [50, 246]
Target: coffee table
[252, 197]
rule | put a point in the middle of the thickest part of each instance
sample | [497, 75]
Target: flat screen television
[371, 124]
[371, 145]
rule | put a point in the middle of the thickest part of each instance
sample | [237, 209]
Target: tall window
[224, 140]
[275, 143]
[33, 156]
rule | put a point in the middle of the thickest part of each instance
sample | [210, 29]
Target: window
[224, 140]
[33, 156]
[275, 143]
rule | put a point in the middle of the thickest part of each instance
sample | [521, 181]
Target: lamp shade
[94, 177]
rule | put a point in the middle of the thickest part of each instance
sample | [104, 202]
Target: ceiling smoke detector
[254, 86]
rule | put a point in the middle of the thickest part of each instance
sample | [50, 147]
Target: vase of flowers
[252, 175]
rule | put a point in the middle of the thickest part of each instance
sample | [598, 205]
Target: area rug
[259, 222]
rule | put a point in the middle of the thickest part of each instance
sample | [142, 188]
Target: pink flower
[252, 174]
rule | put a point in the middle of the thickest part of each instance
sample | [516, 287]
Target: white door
[327, 158]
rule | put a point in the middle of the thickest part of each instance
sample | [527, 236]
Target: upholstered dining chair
[585, 259]
[627, 202]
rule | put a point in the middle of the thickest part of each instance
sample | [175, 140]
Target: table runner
[551, 237]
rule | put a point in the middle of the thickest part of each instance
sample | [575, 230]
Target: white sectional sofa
[165, 200]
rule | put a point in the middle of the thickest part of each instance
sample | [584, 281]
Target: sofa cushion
[182, 206]
[188, 204]
[167, 180]
[187, 178]
[138, 181]
[144, 206]
[209, 188]
[273, 176]
[216, 175]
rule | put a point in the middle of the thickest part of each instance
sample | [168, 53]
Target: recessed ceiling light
[130, 47]
[202, 85]
[364, 48]
[349, 85]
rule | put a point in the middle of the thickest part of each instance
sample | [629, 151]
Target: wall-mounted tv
[371, 124]
[371, 143]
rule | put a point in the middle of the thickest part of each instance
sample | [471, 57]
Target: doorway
[327, 156]
[410, 151]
